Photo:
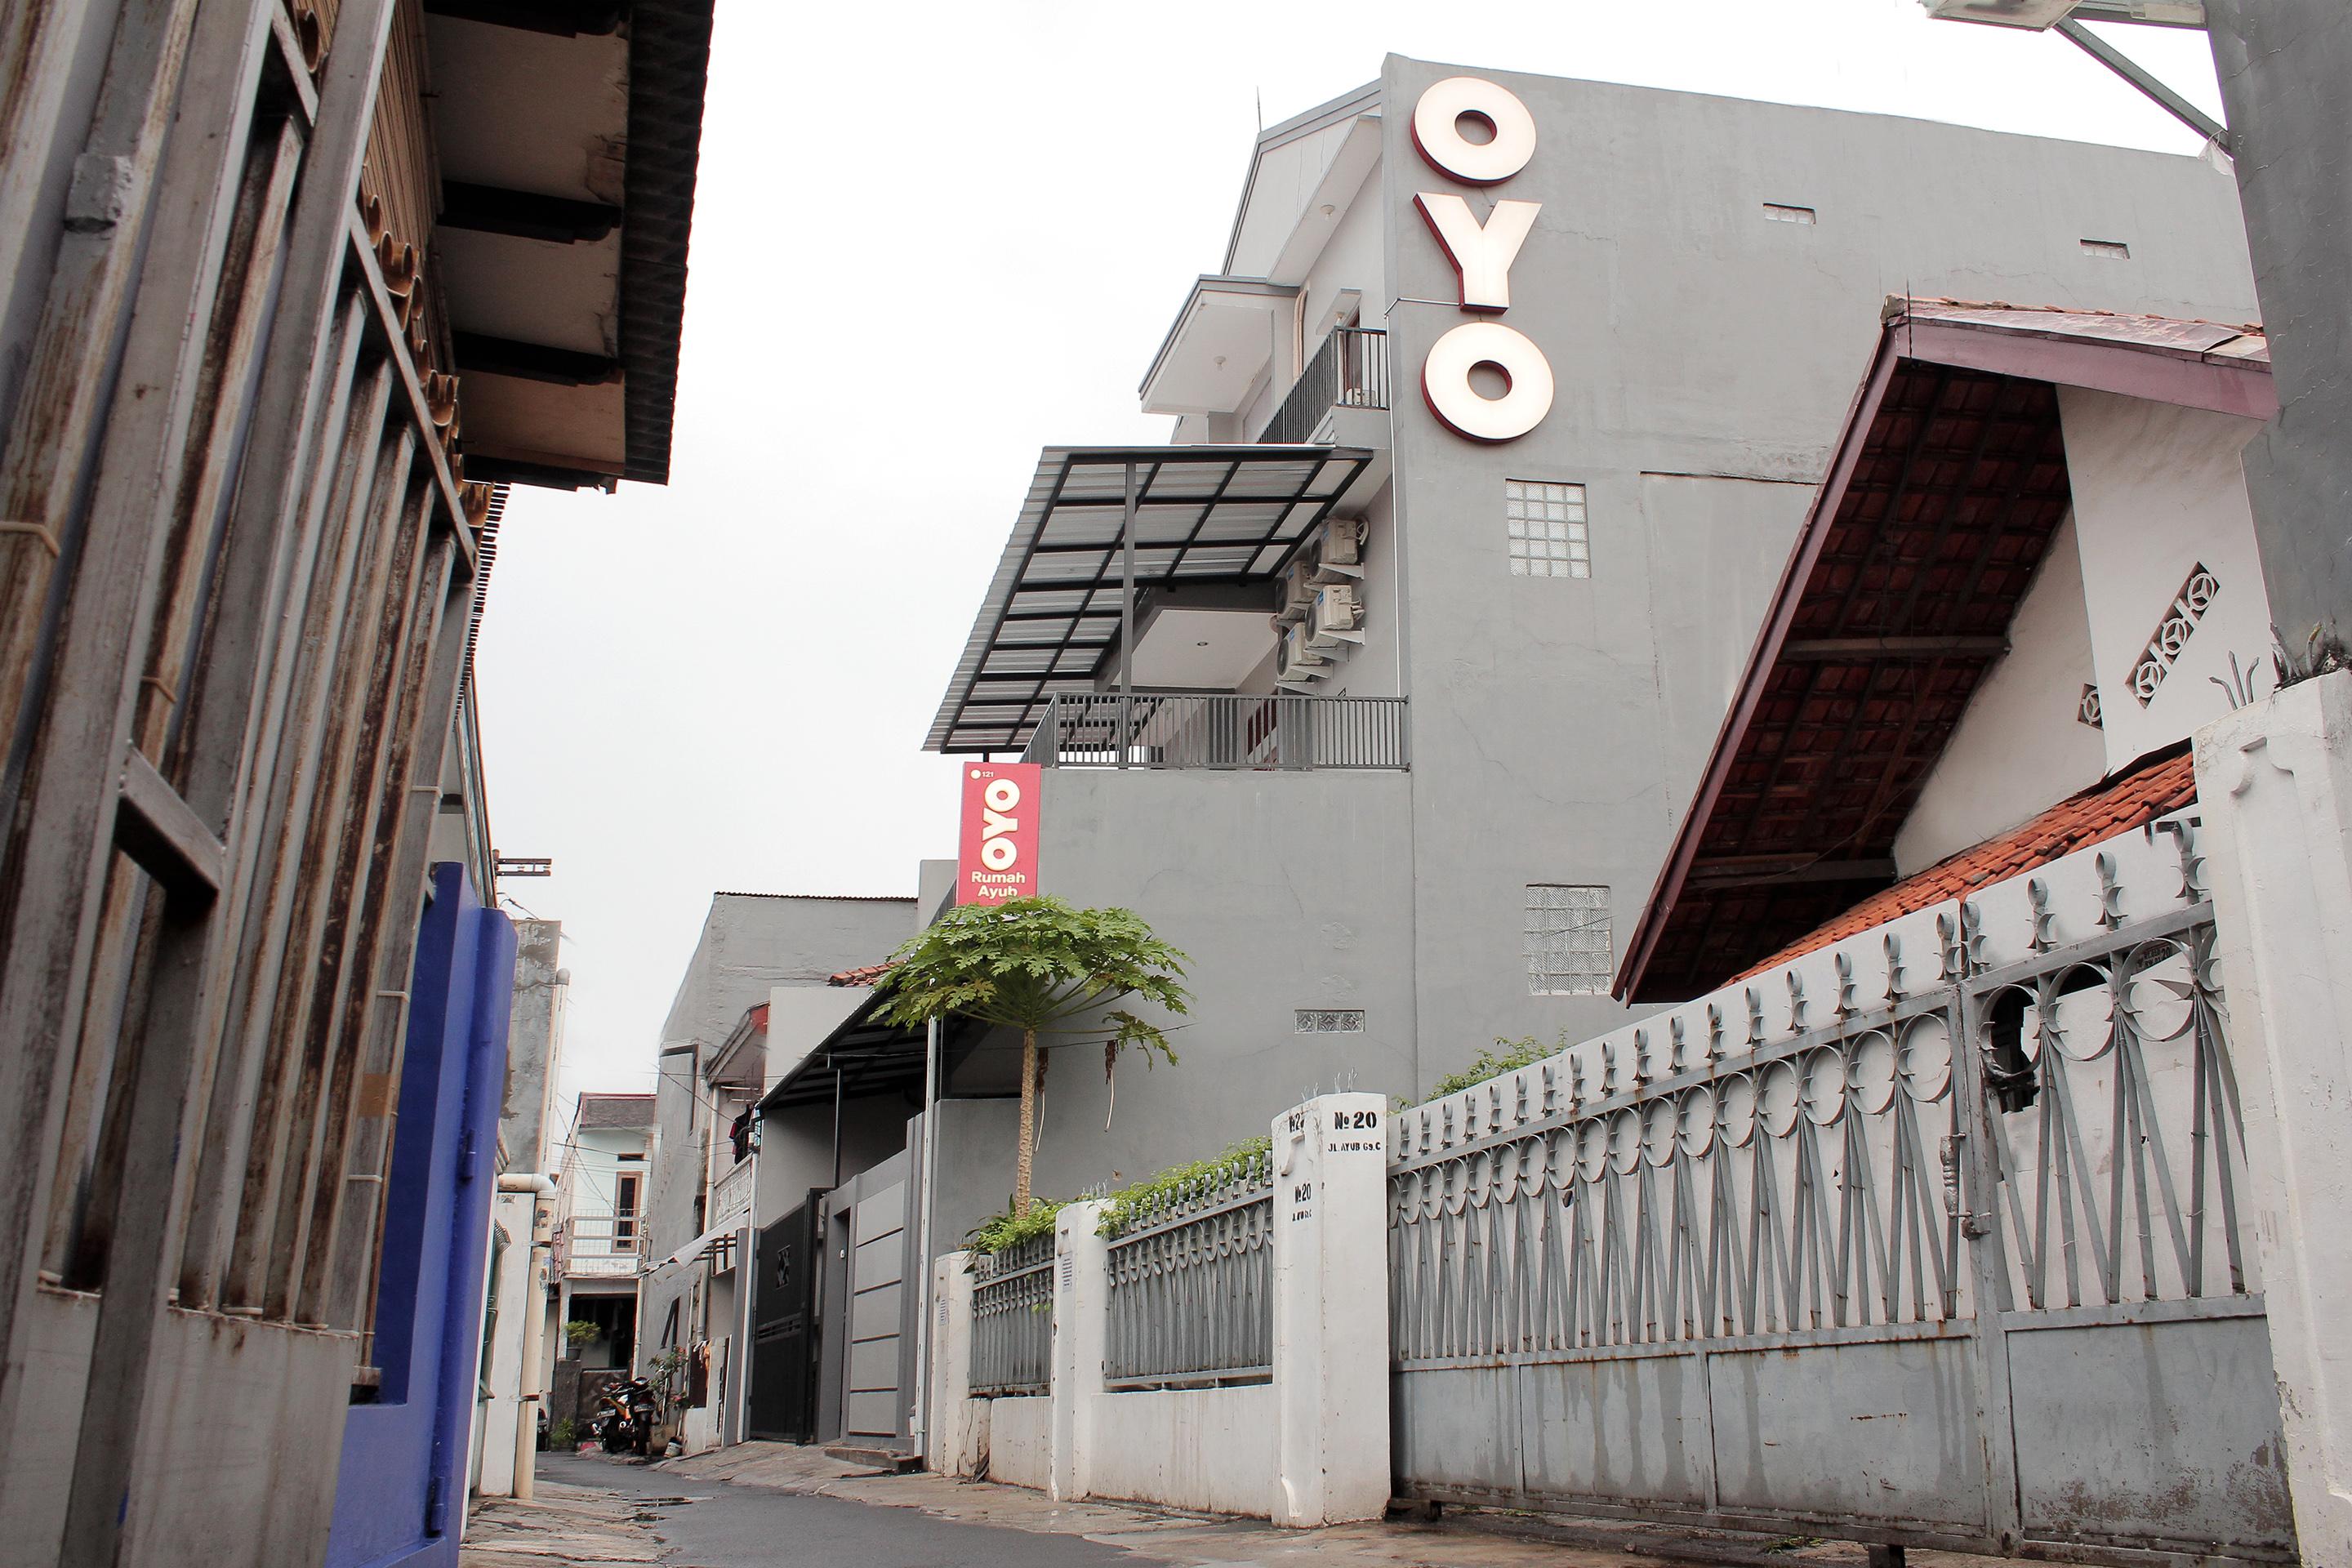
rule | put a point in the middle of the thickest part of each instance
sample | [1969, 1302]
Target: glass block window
[1568, 950]
[1330, 1020]
[1546, 527]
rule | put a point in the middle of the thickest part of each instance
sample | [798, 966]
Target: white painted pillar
[1331, 1311]
[955, 1429]
[1081, 1307]
[2274, 782]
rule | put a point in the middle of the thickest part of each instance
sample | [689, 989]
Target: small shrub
[563, 1436]
[1007, 1229]
[1131, 1207]
[579, 1331]
[1507, 1056]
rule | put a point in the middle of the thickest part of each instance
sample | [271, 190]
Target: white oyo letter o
[1445, 382]
[998, 854]
[1001, 795]
[1438, 134]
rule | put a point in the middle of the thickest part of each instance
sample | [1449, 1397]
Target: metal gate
[1933, 1237]
[783, 1395]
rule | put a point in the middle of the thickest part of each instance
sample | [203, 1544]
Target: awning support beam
[2132, 71]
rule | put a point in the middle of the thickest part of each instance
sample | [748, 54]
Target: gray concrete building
[752, 945]
[1429, 615]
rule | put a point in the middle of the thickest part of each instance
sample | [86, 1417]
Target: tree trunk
[1021, 1161]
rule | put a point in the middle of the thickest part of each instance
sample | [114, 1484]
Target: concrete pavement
[767, 1505]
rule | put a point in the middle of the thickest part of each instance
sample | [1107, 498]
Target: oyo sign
[998, 854]
[1482, 254]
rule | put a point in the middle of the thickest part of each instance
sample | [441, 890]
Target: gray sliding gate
[1834, 1271]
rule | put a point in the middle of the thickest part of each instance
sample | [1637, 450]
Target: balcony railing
[1296, 733]
[1350, 370]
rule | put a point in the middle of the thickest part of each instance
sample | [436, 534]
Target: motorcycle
[624, 1422]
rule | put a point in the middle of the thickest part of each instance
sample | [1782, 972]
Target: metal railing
[1013, 1321]
[1350, 369]
[1220, 732]
[2004, 1115]
[1191, 1288]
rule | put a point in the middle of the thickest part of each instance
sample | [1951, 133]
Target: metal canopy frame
[862, 1056]
[1101, 523]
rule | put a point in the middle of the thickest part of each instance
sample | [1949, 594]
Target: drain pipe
[919, 1422]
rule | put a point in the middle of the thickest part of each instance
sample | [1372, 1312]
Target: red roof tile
[2161, 781]
[869, 974]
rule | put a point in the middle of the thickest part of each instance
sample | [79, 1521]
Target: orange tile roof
[866, 975]
[2161, 781]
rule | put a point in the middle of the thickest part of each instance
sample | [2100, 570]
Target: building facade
[601, 1193]
[1494, 431]
[716, 1058]
[287, 291]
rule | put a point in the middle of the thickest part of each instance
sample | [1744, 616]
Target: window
[624, 1212]
[1568, 943]
[1546, 523]
[1780, 214]
[1329, 1021]
[2114, 250]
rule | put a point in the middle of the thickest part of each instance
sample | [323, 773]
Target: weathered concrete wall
[2285, 67]
[2157, 490]
[2274, 780]
[1021, 1441]
[1689, 336]
[534, 1045]
[1288, 891]
[1194, 1448]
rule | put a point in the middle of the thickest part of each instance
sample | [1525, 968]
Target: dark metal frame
[1029, 547]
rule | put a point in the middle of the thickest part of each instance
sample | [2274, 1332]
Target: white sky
[930, 239]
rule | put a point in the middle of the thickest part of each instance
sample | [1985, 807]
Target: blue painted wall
[401, 1497]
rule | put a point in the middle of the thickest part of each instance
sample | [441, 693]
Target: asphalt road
[757, 1527]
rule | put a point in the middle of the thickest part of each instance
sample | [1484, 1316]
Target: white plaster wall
[2021, 747]
[2159, 490]
[1210, 1448]
[495, 1459]
[1285, 176]
[1021, 1441]
[1352, 259]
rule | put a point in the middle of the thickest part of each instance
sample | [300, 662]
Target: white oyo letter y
[1482, 253]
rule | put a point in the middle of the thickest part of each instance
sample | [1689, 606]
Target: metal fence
[1013, 1321]
[1350, 369]
[1918, 1240]
[1218, 732]
[1191, 1288]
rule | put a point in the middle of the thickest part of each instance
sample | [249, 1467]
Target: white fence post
[2274, 783]
[955, 1428]
[1081, 1303]
[1331, 1311]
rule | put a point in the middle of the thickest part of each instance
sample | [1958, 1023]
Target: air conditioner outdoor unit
[1298, 594]
[1343, 542]
[1301, 660]
[1338, 613]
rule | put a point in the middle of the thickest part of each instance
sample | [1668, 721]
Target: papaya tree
[1056, 973]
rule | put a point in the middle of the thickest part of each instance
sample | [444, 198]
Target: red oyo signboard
[998, 856]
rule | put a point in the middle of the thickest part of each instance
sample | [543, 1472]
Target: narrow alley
[768, 1505]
